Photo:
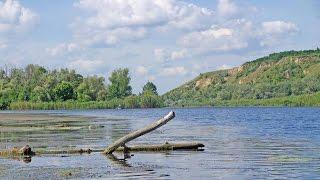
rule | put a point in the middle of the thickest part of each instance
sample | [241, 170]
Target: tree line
[35, 87]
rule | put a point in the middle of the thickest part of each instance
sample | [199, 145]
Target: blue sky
[165, 41]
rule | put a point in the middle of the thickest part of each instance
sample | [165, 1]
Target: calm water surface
[241, 143]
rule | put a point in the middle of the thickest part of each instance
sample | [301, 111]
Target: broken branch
[138, 133]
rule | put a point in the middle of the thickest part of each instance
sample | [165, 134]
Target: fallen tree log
[143, 147]
[164, 147]
[122, 141]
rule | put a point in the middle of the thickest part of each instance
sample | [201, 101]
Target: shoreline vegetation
[131, 102]
[290, 78]
[310, 100]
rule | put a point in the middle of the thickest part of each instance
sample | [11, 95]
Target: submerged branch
[136, 148]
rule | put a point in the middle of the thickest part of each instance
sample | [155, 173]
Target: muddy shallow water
[246, 143]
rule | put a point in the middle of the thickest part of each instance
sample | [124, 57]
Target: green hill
[285, 78]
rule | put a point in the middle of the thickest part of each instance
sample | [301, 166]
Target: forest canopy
[35, 84]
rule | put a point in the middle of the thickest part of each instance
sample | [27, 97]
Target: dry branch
[164, 147]
[122, 141]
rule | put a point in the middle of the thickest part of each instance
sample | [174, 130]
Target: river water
[240, 143]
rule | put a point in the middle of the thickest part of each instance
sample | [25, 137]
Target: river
[240, 143]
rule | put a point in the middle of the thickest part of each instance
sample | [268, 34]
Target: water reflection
[118, 161]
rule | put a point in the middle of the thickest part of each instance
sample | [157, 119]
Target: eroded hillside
[282, 74]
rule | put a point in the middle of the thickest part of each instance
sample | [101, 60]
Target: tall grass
[138, 102]
[294, 101]
[128, 103]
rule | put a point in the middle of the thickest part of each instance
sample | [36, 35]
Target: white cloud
[138, 12]
[173, 71]
[237, 34]
[203, 30]
[112, 21]
[273, 32]
[160, 54]
[175, 55]
[15, 21]
[227, 8]
[15, 18]
[112, 37]
[278, 27]
[62, 49]
[141, 70]
[214, 39]
[84, 65]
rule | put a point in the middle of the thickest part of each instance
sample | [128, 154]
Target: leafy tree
[132, 101]
[149, 86]
[64, 91]
[150, 100]
[313, 84]
[120, 84]
[102, 95]
[24, 95]
[92, 89]
[69, 76]
[39, 94]
[298, 87]
[4, 99]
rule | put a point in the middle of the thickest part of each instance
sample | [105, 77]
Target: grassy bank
[297, 101]
[294, 101]
[128, 103]
[136, 102]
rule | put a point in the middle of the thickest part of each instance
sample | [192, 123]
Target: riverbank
[130, 102]
[309, 100]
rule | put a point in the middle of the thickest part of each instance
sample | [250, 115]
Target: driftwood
[122, 141]
[164, 147]
[136, 148]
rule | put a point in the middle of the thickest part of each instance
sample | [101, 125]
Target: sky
[168, 42]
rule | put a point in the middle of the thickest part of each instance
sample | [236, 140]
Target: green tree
[131, 101]
[102, 95]
[150, 100]
[39, 94]
[4, 99]
[120, 84]
[64, 91]
[149, 86]
[92, 89]
[313, 84]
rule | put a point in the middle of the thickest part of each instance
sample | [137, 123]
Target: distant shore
[292, 101]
